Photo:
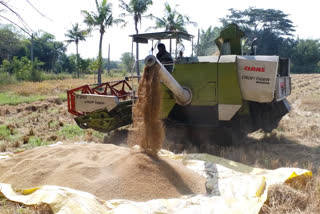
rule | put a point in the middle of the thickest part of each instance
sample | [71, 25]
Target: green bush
[6, 78]
[23, 69]
[36, 75]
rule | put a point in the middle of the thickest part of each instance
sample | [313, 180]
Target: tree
[270, 26]
[172, 21]
[65, 64]
[84, 65]
[207, 44]
[113, 64]
[136, 8]
[306, 56]
[101, 19]
[75, 34]
[11, 43]
[127, 61]
[47, 50]
[254, 20]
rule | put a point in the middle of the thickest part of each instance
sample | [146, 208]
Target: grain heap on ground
[105, 170]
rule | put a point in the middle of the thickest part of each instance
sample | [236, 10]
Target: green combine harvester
[239, 93]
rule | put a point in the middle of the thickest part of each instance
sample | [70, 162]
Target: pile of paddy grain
[107, 171]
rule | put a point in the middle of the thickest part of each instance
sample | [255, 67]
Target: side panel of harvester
[226, 85]
[215, 88]
[230, 98]
[201, 77]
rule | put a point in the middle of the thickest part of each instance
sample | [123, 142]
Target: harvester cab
[157, 37]
[225, 89]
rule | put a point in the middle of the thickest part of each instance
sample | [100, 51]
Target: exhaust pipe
[183, 95]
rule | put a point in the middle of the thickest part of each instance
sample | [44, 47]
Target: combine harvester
[229, 91]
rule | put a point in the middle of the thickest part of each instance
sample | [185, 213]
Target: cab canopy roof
[143, 38]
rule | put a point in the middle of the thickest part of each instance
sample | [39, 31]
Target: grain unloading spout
[183, 95]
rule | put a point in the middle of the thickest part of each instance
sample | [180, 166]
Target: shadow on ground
[269, 151]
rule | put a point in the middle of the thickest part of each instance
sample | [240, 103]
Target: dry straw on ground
[297, 197]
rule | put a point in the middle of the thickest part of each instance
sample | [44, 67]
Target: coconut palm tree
[75, 34]
[172, 21]
[136, 8]
[101, 19]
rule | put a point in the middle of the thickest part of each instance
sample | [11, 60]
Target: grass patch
[98, 135]
[4, 132]
[14, 99]
[63, 96]
[8, 134]
[35, 142]
[71, 131]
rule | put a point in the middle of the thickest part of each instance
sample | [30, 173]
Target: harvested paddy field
[294, 143]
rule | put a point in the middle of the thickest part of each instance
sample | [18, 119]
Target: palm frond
[69, 41]
[125, 7]
[135, 9]
[172, 20]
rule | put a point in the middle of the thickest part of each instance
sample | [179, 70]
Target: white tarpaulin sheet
[233, 188]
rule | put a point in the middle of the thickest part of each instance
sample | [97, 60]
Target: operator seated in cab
[164, 57]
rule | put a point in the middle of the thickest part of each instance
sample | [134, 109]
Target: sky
[61, 14]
